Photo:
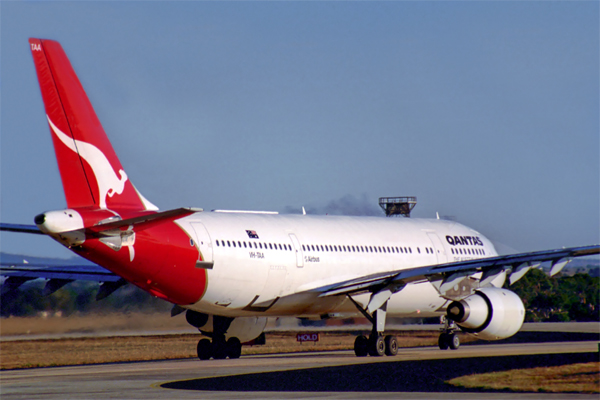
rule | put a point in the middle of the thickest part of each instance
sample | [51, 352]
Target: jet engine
[490, 313]
[243, 328]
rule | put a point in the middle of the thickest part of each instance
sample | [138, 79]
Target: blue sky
[486, 111]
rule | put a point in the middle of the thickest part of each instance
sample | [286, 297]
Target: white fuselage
[265, 264]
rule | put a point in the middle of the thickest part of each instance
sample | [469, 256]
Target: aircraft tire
[453, 341]
[234, 348]
[376, 346]
[219, 349]
[443, 341]
[361, 344]
[391, 345]
[204, 349]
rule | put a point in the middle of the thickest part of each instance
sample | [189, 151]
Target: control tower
[394, 206]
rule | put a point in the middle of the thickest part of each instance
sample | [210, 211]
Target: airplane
[230, 270]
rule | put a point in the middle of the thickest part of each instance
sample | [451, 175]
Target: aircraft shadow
[401, 376]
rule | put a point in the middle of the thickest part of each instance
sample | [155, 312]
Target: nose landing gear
[448, 338]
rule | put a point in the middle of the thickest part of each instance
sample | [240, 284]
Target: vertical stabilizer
[91, 173]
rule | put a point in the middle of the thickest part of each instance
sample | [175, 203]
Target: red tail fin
[91, 173]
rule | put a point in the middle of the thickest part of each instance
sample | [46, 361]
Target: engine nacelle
[243, 328]
[490, 313]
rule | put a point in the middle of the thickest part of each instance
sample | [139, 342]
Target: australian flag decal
[252, 234]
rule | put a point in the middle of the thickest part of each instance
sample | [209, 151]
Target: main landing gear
[448, 338]
[219, 348]
[376, 344]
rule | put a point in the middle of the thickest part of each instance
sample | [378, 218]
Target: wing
[58, 275]
[20, 228]
[467, 275]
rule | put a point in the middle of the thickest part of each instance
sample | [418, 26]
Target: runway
[415, 373]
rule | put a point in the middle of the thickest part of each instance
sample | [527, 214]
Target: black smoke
[346, 205]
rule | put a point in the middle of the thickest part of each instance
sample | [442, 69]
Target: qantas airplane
[230, 270]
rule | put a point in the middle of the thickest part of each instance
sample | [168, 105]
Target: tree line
[558, 299]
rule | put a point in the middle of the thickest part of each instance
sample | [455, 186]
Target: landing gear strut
[448, 338]
[376, 344]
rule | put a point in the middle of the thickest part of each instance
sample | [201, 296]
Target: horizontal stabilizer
[20, 228]
[141, 222]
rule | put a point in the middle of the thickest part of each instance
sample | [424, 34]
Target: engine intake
[490, 313]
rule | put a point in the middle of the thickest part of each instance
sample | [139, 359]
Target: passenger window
[228, 244]
[217, 242]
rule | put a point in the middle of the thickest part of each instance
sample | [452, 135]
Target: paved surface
[413, 373]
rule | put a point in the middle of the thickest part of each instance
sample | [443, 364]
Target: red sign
[307, 337]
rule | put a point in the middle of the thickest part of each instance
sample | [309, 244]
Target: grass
[576, 378]
[93, 350]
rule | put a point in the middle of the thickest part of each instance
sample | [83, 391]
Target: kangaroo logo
[108, 182]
